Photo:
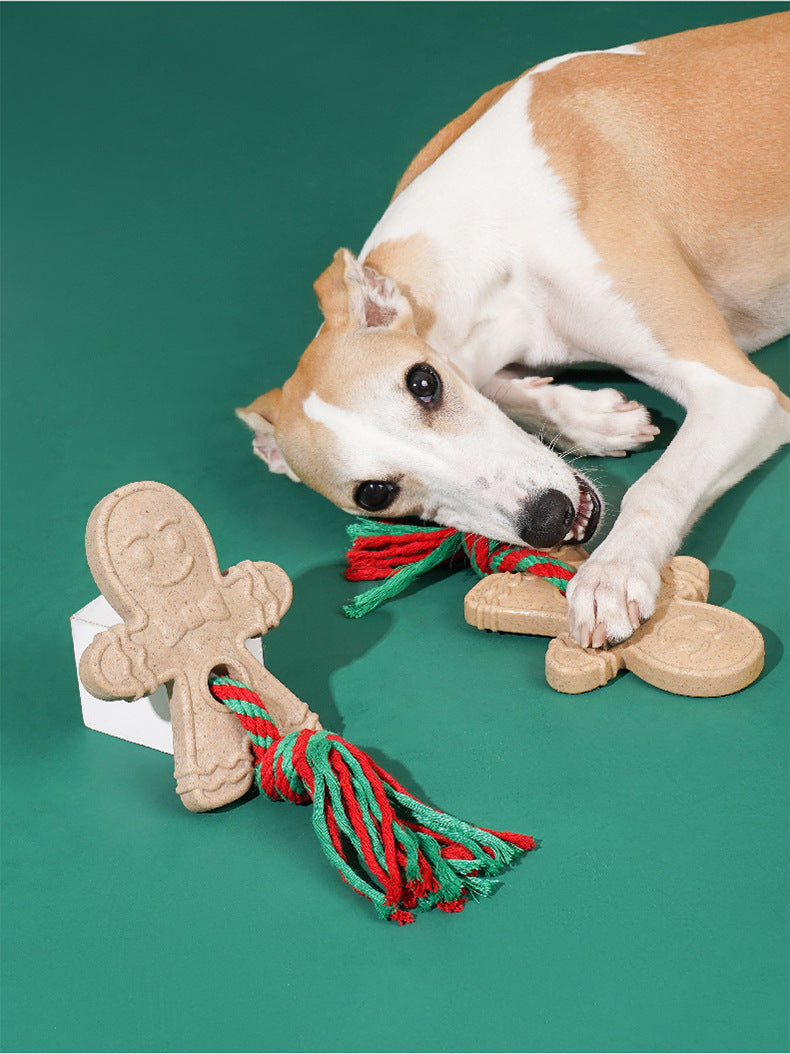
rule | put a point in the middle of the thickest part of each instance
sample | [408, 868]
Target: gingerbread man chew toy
[688, 647]
[186, 623]
[152, 557]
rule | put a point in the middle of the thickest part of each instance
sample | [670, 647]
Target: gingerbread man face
[149, 548]
[156, 554]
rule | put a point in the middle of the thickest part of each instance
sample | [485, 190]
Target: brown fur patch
[261, 414]
[331, 289]
[680, 179]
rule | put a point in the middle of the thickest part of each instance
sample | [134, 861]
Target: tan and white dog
[628, 207]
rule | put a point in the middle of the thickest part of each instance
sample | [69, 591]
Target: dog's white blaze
[468, 486]
[370, 450]
[538, 293]
[366, 451]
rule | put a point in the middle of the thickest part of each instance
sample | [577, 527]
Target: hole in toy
[226, 670]
[223, 669]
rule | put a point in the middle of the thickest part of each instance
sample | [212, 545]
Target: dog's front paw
[604, 422]
[608, 599]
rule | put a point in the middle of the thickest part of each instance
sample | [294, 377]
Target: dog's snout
[546, 519]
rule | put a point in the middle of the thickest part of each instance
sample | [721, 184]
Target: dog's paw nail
[598, 637]
[583, 635]
[634, 615]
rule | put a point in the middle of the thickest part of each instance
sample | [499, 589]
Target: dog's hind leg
[599, 422]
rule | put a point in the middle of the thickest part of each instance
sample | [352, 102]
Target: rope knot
[394, 849]
[281, 769]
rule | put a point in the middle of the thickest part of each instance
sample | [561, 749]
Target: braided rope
[397, 553]
[401, 854]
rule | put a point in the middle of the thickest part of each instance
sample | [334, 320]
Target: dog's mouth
[588, 513]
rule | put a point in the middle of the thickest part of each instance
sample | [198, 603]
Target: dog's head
[382, 425]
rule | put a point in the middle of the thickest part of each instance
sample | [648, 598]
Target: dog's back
[637, 135]
[646, 162]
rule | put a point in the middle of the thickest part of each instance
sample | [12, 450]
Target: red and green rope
[401, 854]
[398, 553]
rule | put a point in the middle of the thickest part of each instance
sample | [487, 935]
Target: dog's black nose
[546, 520]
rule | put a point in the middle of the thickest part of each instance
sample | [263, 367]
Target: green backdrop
[175, 177]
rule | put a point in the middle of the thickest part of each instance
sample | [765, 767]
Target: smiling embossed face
[378, 422]
[155, 546]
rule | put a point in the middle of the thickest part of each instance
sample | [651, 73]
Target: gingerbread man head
[147, 548]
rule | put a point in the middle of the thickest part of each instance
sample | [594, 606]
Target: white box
[145, 721]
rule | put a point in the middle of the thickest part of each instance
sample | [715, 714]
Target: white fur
[599, 422]
[536, 294]
[662, 505]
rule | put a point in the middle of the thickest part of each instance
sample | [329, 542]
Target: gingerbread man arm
[262, 593]
[114, 667]
[262, 589]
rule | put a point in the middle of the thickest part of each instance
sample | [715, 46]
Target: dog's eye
[424, 383]
[374, 495]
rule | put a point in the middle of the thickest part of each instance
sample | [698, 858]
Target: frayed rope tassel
[397, 553]
[390, 847]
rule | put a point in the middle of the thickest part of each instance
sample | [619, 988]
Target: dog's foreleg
[729, 429]
[599, 422]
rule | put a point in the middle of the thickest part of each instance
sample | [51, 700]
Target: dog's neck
[486, 286]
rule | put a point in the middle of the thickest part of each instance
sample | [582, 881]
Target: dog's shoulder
[448, 135]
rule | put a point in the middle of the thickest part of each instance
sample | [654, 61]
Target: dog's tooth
[580, 527]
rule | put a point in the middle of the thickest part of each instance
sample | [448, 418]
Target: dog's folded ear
[261, 416]
[355, 297]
